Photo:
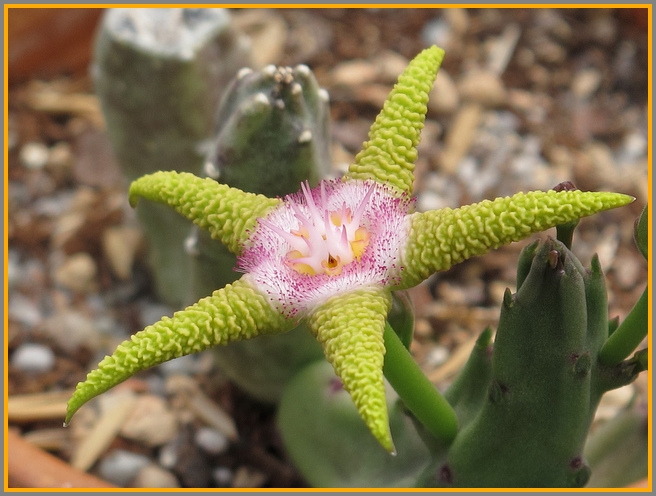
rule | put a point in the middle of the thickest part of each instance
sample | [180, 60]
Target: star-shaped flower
[332, 255]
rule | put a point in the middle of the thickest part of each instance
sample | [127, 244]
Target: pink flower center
[325, 240]
[321, 242]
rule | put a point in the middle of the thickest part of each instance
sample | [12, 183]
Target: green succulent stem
[628, 335]
[565, 233]
[415, 390]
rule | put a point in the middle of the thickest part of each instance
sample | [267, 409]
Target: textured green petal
[441, 238]
[389, 155]
[227, 213]
[350, 328]
[233, 313]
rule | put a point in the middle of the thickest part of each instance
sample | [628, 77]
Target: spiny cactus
[528, 426]
[272, 133]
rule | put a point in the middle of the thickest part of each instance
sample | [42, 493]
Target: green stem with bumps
[420, 396]
[628, 335]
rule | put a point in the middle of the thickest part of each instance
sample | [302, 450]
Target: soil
[569, 104]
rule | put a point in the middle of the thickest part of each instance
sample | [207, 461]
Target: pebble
[634, 148]
[627, 270]
[77, 273]
[390, 64]
[436, 356]
[248, 477]
[14, 271]
[34, 155]
[168, 455]
[120, 245]
[585, 82]
[33, 358]
[154, 476]
[151, 422]
[549, 52]
[267, 34]
[444, 98]
[121, 466]
[211, 440]
[354, 72]
[23, 310]
[222, 476]
[61, 155]
[604, 29]
[70, 330]
[483, 87]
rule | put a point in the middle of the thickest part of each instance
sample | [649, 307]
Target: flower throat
[325, 240]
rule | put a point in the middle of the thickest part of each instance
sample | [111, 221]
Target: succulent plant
[527, 427]
[272, 133]
[159, 74]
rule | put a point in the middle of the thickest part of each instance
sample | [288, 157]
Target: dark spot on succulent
[445, 475]
[335, 386]
[565, 186]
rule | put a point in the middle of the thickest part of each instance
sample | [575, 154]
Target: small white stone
[211, 441]
[151, 422]
[354, 72]
[23, 310]
[585, 82]
[168, 455]
[121, 466]
[71, 329]
[32, 357]
[34, 155]
[77, 273]
[222, 476]
[437, 356]
[154, 476]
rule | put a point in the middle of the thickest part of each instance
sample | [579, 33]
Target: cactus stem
[565, 232]
[628, 335]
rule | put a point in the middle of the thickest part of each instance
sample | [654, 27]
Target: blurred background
[525, 99]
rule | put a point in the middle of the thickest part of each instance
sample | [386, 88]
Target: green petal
[441, 238]
[350, 328]
[227, 213]
[389, 155]
[233, 313]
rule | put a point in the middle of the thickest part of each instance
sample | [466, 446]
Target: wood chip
[80, 104]
[460, 137]
[212, 414]
[55, 439]
[104, 432]
[37, 407]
